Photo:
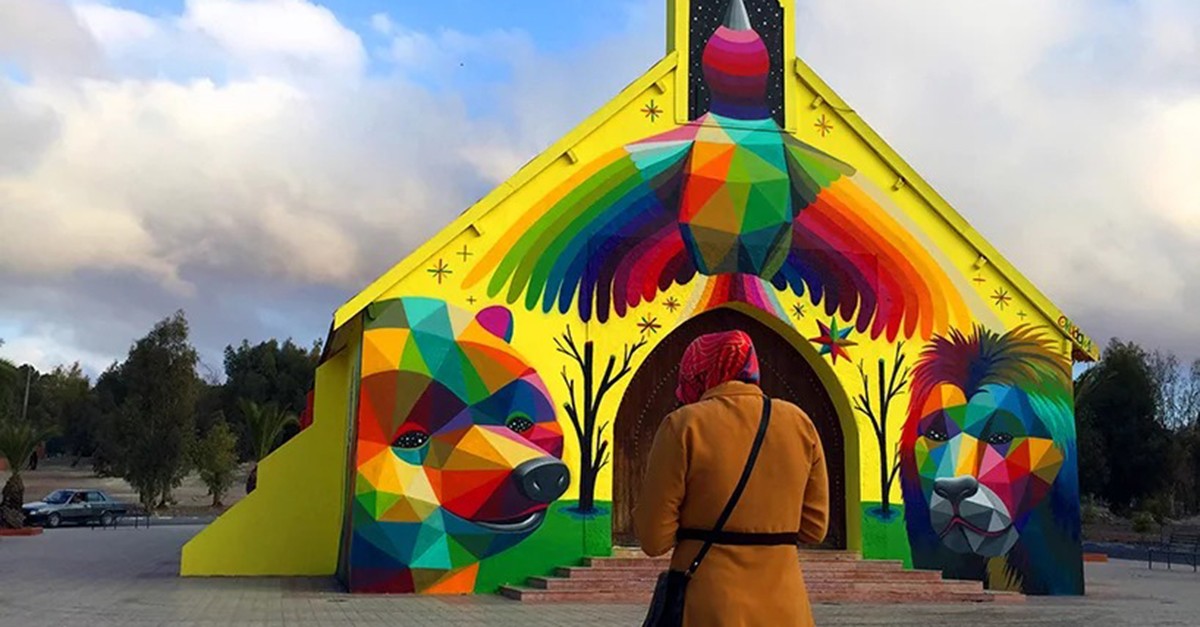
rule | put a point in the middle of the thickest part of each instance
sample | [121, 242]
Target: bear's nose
[957, 489]
[543, 479]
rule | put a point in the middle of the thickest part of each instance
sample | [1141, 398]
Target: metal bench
[1178, 543]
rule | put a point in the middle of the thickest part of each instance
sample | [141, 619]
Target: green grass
[564, 539]
[885, 539]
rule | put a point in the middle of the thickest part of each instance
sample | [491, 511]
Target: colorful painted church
[484, 410]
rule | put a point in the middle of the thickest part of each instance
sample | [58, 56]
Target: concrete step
[831, 577]
[889, 596]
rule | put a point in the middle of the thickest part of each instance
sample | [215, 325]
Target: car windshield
[58, 497]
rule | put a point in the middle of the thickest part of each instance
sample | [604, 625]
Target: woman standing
[751, 576]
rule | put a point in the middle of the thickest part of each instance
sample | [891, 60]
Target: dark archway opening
[651, 396]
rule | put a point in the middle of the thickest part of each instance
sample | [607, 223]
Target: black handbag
[666, 607]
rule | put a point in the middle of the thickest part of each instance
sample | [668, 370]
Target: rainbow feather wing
[847, 250]
[606, 237]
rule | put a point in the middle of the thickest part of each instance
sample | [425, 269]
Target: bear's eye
[411, 439]
[519, 423]
[999, 438]
[937, 435]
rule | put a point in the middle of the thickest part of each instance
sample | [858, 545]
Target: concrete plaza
[129, 577]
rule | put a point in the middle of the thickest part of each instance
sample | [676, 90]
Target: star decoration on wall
[823, 125]
[1022, 315]
[471, 300]
[979, 279]
[440, 271]
[652, 111]
[671, 304]
[649, 325]
[1002, 298]
[464, 253]
[798, 310]
[833, 340]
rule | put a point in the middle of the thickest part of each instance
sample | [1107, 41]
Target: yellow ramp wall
[291, 523]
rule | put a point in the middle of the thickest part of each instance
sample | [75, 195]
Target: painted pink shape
[498, 321]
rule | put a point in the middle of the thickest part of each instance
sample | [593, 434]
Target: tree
[265, 424]
[1093, 463]
[594, 453]
[890, 385]
[1177, 391]
[215, 459]
[18, 441]
[267, 372]
[147, 437]
[1121, 408]
[67, 401]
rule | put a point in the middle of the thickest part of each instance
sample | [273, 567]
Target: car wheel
[106, 519]
[53, 520]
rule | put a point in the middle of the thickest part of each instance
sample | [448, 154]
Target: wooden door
[651, 396]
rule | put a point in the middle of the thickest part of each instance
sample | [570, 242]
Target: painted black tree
[888, 386]
[593, 447]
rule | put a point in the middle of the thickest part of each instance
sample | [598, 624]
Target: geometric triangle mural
[443, 477]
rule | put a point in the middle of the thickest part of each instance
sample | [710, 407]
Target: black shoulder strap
[741, 486]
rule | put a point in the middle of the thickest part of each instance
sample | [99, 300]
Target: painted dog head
[457, 449]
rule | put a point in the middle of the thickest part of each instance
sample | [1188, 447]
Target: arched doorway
[651, 396]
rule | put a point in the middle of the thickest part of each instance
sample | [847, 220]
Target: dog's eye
[519, 423]
[411, 439]
[937, 435]
[999, 438]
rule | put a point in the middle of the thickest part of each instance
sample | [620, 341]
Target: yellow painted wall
[291, 523]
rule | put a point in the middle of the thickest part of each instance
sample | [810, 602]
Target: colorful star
[464, 253]
[672, 304]
[823, 125]
[649, 325]
[798, 310]
[1002, 298]
[652, 111]
[833, 340]
[440, 271]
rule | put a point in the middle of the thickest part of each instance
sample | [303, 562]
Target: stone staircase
[831, 577]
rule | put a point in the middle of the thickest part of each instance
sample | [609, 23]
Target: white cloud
[382, 23]
[114, 28]
[265, 34]
[46, 38]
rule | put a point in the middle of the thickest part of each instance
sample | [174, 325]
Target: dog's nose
[956, 489]
[543, 479]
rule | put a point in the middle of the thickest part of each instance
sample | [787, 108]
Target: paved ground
[128, 577]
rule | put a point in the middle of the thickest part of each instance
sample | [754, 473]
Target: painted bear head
[457, 448]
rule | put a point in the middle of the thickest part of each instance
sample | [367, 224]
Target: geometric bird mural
[988, 470]
[732, 197]
[458, 451]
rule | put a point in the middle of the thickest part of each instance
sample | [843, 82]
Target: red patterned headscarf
[713, 359]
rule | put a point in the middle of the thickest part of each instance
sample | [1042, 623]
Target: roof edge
[531, 169]
[1084, 348]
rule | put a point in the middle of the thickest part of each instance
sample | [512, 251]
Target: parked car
[74, 506]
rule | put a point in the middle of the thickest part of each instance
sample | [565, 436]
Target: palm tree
[18, 441]
[265, 424]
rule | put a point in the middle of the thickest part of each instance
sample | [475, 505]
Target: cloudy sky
[256, 162]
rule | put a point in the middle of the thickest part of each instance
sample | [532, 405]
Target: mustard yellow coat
[696, 460]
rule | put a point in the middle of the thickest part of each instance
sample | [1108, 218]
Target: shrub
[1143, 522]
